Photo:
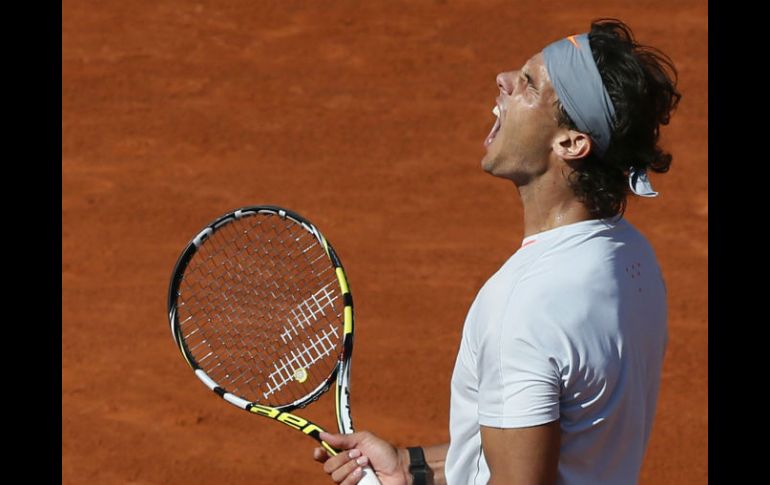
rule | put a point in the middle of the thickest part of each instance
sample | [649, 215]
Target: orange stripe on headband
[571, 38]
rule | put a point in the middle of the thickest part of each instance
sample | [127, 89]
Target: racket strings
[248, 304]
[281, 369]
[231, 356]
[260, 310]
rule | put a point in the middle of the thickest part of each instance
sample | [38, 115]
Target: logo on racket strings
[300, 375]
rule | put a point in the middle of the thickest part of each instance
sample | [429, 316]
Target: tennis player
[557, 375]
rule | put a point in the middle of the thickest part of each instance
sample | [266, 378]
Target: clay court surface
[367, 118]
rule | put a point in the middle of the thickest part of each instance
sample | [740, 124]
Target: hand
[361, 449]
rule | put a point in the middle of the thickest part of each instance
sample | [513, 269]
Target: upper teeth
[496, 111]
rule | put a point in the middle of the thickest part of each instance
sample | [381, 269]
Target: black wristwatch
[417, 466]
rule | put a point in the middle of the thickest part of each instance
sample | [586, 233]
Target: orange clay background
[367, 118]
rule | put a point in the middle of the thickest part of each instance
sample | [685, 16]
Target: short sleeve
[519, 369]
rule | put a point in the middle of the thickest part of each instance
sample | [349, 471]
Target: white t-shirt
[571, 327]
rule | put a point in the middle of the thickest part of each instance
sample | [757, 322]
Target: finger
[340, 441]
[336, 462]
[344, 472]
[354, 477]
[320, 455]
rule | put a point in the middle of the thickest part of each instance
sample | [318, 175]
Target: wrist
[419, 473]
[403, 460]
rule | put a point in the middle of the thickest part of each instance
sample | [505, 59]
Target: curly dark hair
[641, 82]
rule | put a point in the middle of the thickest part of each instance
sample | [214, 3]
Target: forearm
[435, 457]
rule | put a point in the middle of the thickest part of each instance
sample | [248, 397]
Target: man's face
[519, 144]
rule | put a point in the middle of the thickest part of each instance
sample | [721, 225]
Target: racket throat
[344, 421]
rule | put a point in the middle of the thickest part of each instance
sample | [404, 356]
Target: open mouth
[490, 138]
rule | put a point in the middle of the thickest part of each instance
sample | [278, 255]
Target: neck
[549, 203]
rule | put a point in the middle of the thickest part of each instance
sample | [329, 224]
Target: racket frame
[341, 371]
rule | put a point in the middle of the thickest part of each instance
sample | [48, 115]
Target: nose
[505, 83]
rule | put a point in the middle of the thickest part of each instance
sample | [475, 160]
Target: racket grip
[369, 478]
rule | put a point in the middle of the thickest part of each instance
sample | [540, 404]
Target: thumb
[340, 441]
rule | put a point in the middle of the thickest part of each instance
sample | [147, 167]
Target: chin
[485, 163]
[489, 160]
[491, 164]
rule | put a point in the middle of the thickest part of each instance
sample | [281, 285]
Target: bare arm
[526, 456]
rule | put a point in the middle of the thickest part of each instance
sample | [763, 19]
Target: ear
[572, 145]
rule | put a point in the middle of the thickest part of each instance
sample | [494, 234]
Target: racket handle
[369, 478]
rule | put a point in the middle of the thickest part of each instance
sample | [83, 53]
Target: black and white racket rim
[261, 310]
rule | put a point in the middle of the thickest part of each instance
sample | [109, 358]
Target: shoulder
[579, 259]
[582, 273]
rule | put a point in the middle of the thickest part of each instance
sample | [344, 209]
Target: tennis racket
[261, 310]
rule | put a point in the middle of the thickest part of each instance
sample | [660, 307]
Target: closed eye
[529, 81]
